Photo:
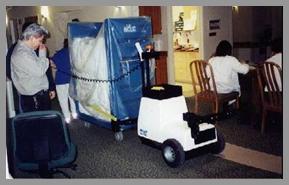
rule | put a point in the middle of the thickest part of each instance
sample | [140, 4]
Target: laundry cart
[106, 70]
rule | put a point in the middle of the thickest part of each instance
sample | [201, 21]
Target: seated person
[226, 68]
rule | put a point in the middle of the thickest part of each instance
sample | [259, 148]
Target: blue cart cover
[106, 66]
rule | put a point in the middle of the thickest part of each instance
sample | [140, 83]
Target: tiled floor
[182, 70]
[182, 65]
[187, 89]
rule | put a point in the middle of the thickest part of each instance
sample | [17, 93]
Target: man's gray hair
[35, 30]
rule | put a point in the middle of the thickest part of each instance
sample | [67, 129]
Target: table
[250, 102]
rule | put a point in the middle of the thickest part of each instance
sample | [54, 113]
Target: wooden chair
[203, 79]
[270, 92]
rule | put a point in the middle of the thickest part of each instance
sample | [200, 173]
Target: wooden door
[155, 13]
[161, 69]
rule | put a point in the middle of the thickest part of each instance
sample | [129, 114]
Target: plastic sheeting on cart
[106, 66]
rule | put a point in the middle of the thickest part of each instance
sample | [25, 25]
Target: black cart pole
[147, 69]
[146, 66]
[143, 73]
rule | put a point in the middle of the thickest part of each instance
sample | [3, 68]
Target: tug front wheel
[173, 153]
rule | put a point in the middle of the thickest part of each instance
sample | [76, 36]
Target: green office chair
[41, 143]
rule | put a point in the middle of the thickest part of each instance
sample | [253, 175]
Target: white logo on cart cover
[143, 132]
[129, 28]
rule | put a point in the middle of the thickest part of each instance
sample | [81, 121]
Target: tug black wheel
[219, 146]
[173, 153]
[118, 136]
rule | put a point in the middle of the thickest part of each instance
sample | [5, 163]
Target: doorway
[186, 43]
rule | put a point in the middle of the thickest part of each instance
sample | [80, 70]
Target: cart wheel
[219, 146]
[118, 136]
[173, 153]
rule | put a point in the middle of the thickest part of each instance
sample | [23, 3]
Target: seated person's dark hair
[224, 48]
[277, 45]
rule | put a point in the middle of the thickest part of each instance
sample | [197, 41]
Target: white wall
[170, 59]
[163, 37]
[98, 14]
[59, 16]
[85, 14]
[14, 15]
[224, 13]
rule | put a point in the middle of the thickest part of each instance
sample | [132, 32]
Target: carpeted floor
[100, 156]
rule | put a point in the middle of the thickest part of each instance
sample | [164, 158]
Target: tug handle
[194, 120]
[211, 118]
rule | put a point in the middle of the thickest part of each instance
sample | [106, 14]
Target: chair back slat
[203, 73]
[209, 67]
[267, 80]
[194, 83]
[272, 79]
[269, 83]
[206, 77]
[198, 72]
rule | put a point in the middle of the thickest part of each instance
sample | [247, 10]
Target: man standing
[8, 73]
[28, 71]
